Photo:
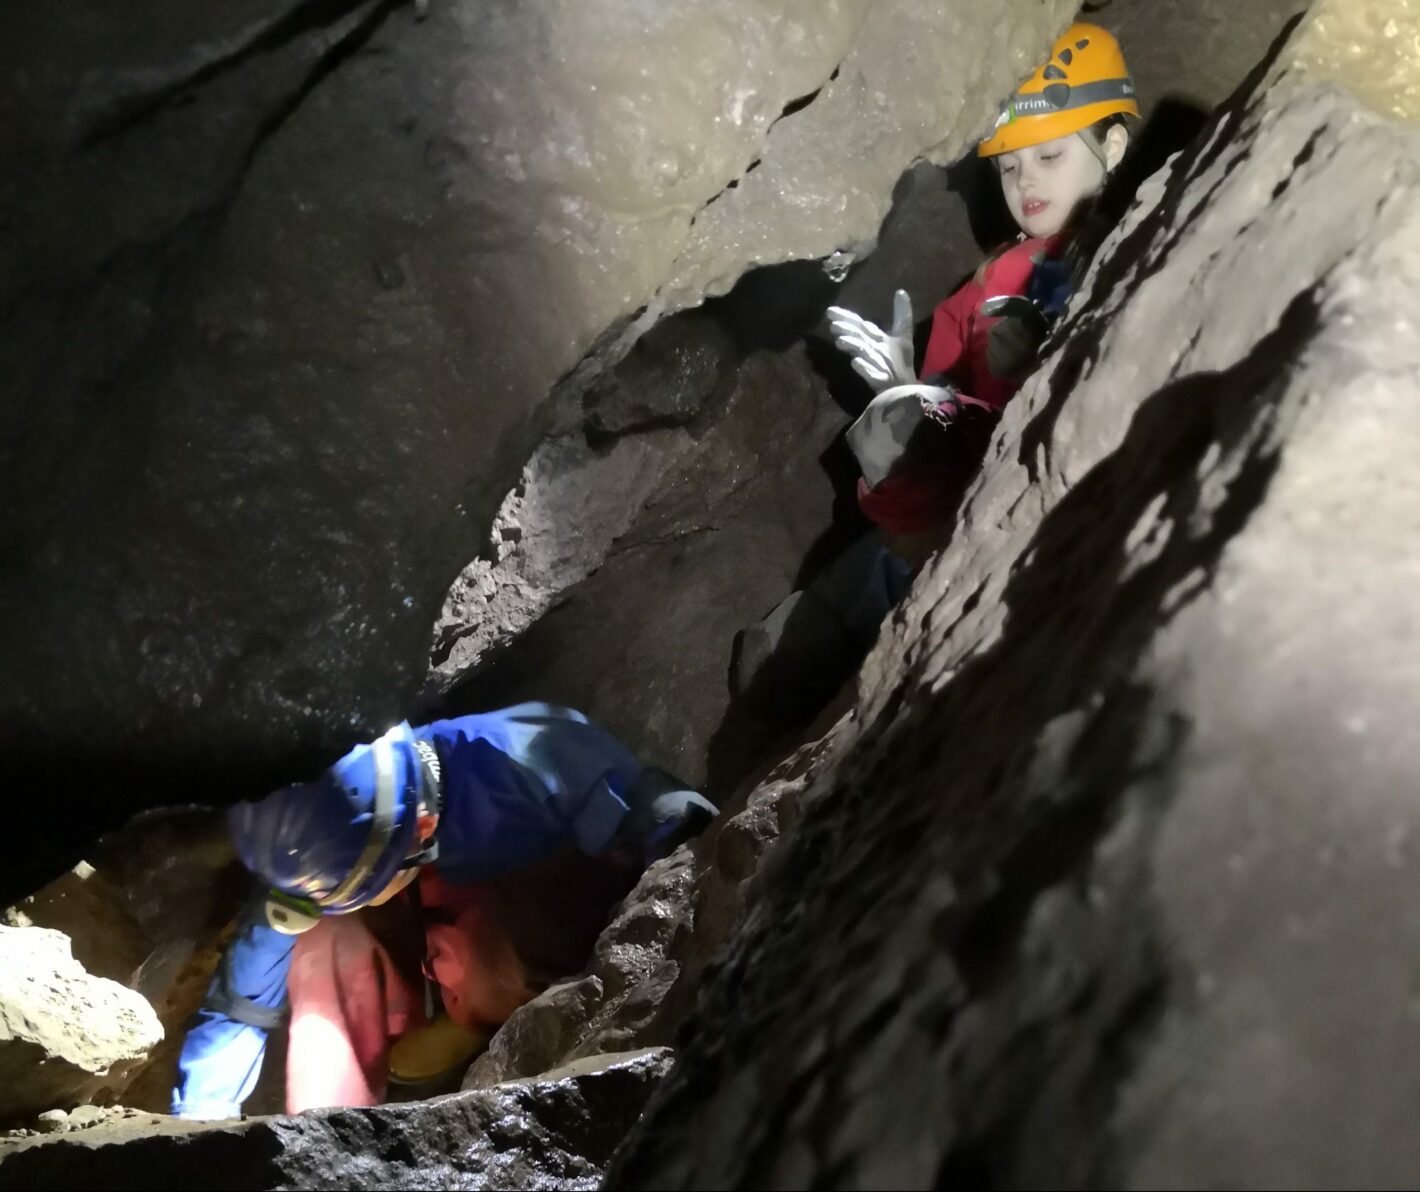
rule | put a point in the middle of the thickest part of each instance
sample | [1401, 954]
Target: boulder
[153, 913]
[65, 1035]
[555, 1133]
[631, 565]
[648, 966]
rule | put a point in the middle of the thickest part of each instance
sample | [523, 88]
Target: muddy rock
[65, 1035]
[1108, 882]
[556, 1133]
[83, 1117]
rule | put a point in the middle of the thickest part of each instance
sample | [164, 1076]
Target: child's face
[1043, 183]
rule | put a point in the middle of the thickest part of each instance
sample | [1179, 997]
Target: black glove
[662, 814]
[1013, 345]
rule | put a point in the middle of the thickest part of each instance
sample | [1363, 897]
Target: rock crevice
[1061, 847]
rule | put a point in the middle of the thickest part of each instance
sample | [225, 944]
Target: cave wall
[589, 518]
[285, 284]
[1109, 878]
[718, 521]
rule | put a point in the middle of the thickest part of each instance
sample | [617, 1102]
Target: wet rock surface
[555, 1133]
[1107, 882]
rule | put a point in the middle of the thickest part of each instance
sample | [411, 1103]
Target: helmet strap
[428, 829]
[431, 804]
[382, 825]
[1095, 146]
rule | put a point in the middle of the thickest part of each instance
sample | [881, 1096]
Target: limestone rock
[649, 963]
[581, 491]
[153, 913]
[555, 1133]
[866, 105]
[64, 1035]
[1110, 880]
[644, 557]
[572, 1018]
[88, 910]
[82, 1117]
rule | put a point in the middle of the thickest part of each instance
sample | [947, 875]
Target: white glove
[883, 359]
[880, 437]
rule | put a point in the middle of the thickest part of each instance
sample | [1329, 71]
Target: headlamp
[291, 915]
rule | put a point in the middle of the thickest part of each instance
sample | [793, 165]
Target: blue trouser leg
[861, 586]
[807, 646]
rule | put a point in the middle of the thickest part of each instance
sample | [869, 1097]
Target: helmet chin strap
[1095, 147]
[382, 824]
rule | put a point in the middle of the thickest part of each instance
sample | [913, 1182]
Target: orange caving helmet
[1084, 81]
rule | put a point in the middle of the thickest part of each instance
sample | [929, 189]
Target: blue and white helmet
[329, 846]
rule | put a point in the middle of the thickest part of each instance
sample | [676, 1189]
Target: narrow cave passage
[401, 380]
